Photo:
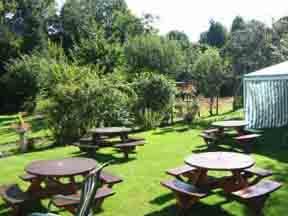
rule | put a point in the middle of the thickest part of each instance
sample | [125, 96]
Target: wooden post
[23, 140]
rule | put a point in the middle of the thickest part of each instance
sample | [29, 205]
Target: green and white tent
[266, 97]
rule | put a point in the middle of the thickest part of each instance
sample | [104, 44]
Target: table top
[110, 130]
[230, 123]
[61, 168]
[225, 161]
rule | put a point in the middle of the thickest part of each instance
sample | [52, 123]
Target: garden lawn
[141, 193]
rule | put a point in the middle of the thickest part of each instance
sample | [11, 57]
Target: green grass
[141, 194]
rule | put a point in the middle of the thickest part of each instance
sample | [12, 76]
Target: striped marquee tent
[266, 97]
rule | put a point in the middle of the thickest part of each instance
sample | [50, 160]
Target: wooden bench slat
[247, 137]
[184, 188]
[108, 178]
[92, 146]
[180, 170]
[207, 136]
[262, 188]
[260, 172]
[60, 201]
[28, 177]
[212, 130]
[130, 144]
[14, 195]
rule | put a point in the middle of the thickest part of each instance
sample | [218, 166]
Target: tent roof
[274, 71]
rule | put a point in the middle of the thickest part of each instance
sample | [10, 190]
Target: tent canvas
[266, 97]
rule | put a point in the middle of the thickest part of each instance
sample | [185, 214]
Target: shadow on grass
[199, 209]
[163, 199]
[103, 158]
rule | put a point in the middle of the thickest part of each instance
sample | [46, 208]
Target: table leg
[235, 182]
[35, 187]
[73, 184]
[124, 137]
[97, 139]
[201, 178]
[240, 131]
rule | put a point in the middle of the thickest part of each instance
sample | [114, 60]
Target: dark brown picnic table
[237, 125]
[221, 161]
[99, 134]
[51, 172]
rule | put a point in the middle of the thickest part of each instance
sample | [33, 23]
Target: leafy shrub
[149, 119]
[78, 104]
[30, 75]
[155, 95]
[20, 83]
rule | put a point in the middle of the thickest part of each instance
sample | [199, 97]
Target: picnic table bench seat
[211, 131]
[129, 146]
[257, 172]
[209, 139]
[27, 177]
[255, 196]
[247, 137]
[71, 202]
[186, 194]
[184, 170]
[15, 198]
[109, 179]
[246, 140]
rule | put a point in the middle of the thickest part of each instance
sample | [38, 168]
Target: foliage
[20, 83]
[210, 69]
[154, 92]
[155, 95]
[215, 36]
[238, 24]
[153, 53]
[84, 101]
[149, 119]
[249, 49]
[99, 52]
[179, 36]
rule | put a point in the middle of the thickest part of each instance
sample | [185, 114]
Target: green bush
[149, 119]
[20, 83]
[155, 94]
[31, 75]
[76, 105]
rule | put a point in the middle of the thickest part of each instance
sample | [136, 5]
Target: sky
[193, 17]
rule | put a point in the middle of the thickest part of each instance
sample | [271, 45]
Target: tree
[179, 36]
[210, 70]
[238, 24]
[153, 53]
[249, 49]
[98, 52]
[215, 36]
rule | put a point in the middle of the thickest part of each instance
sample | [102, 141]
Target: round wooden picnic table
[50, 172]
[61, 168]
[238, 125]
[122, 132]
[221, 161]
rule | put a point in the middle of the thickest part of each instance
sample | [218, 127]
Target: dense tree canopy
[215, 36]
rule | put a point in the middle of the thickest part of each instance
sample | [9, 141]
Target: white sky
[193, 17]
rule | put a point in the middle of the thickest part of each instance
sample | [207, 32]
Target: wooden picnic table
[238, 125]
[221, 161]
[50, 172]
[99, 133]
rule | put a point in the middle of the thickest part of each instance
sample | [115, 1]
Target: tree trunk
[211, 105]
[217, 104]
